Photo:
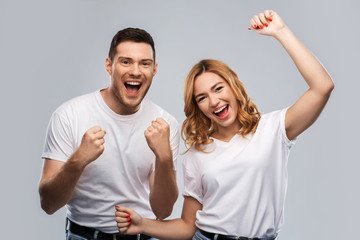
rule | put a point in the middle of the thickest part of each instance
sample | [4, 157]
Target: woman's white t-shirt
[242, 183]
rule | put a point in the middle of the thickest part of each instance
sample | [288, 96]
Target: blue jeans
[199, 236]
[72, 236]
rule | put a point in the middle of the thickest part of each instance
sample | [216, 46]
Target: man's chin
[133, 105]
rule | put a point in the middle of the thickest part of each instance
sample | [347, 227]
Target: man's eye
[146, 64]
[125, 62]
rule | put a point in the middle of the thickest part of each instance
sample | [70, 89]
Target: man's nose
[135, 70]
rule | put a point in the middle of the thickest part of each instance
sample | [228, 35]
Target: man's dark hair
[130, 34]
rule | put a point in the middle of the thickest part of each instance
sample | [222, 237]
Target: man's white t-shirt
[120, 176]
[241, 184]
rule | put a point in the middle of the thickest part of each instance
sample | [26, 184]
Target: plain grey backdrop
[52, 51]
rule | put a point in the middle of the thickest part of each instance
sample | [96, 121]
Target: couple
[235, 172]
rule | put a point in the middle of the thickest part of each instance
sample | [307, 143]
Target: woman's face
[217, 101]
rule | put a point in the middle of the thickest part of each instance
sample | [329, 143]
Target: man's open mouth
[132, 87]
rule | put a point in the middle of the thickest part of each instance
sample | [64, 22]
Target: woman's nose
[214, 101]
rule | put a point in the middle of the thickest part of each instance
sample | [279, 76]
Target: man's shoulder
[76, 103]
[155, 109]
[150, 104]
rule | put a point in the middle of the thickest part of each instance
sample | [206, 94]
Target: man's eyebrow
[121, 57]
[129, 58]
[147, 60]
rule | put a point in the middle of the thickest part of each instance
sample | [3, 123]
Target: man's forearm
[164, 192]
[56, 190]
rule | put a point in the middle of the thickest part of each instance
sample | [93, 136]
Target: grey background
[51, 51]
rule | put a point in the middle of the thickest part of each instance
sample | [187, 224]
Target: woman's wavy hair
[197, 128]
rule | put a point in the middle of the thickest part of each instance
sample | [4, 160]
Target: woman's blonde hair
[197, 128]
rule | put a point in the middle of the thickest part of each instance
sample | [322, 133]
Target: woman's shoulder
[273, 116]
[271, 121]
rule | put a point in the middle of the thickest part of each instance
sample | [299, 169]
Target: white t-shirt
[120, 176]
[241, 184]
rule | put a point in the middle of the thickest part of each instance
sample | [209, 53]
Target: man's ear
[155, 69]
[108, 66]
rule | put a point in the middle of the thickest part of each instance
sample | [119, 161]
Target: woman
[235, 172]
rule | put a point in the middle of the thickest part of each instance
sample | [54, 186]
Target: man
[112, 147]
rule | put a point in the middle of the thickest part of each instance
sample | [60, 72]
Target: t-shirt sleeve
[192, 181]
[58, 143]
[174, 140]
[289, 143]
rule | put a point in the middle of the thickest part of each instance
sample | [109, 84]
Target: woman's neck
[225, 134]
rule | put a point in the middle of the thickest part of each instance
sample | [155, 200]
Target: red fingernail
[270, 20]
[266, 25]
[117, 206]
[255, 26]
[129, 223]
[249, 28]
[261, 26]
[127, 215]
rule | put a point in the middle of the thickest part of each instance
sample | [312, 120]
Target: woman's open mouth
[222, 112]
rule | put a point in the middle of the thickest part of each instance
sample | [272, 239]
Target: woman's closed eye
[200, 99]
[217, 89]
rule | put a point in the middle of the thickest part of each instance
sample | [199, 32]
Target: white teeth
[219, 110]
[133, 83]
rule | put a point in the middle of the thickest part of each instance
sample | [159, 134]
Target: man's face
[131, 74]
